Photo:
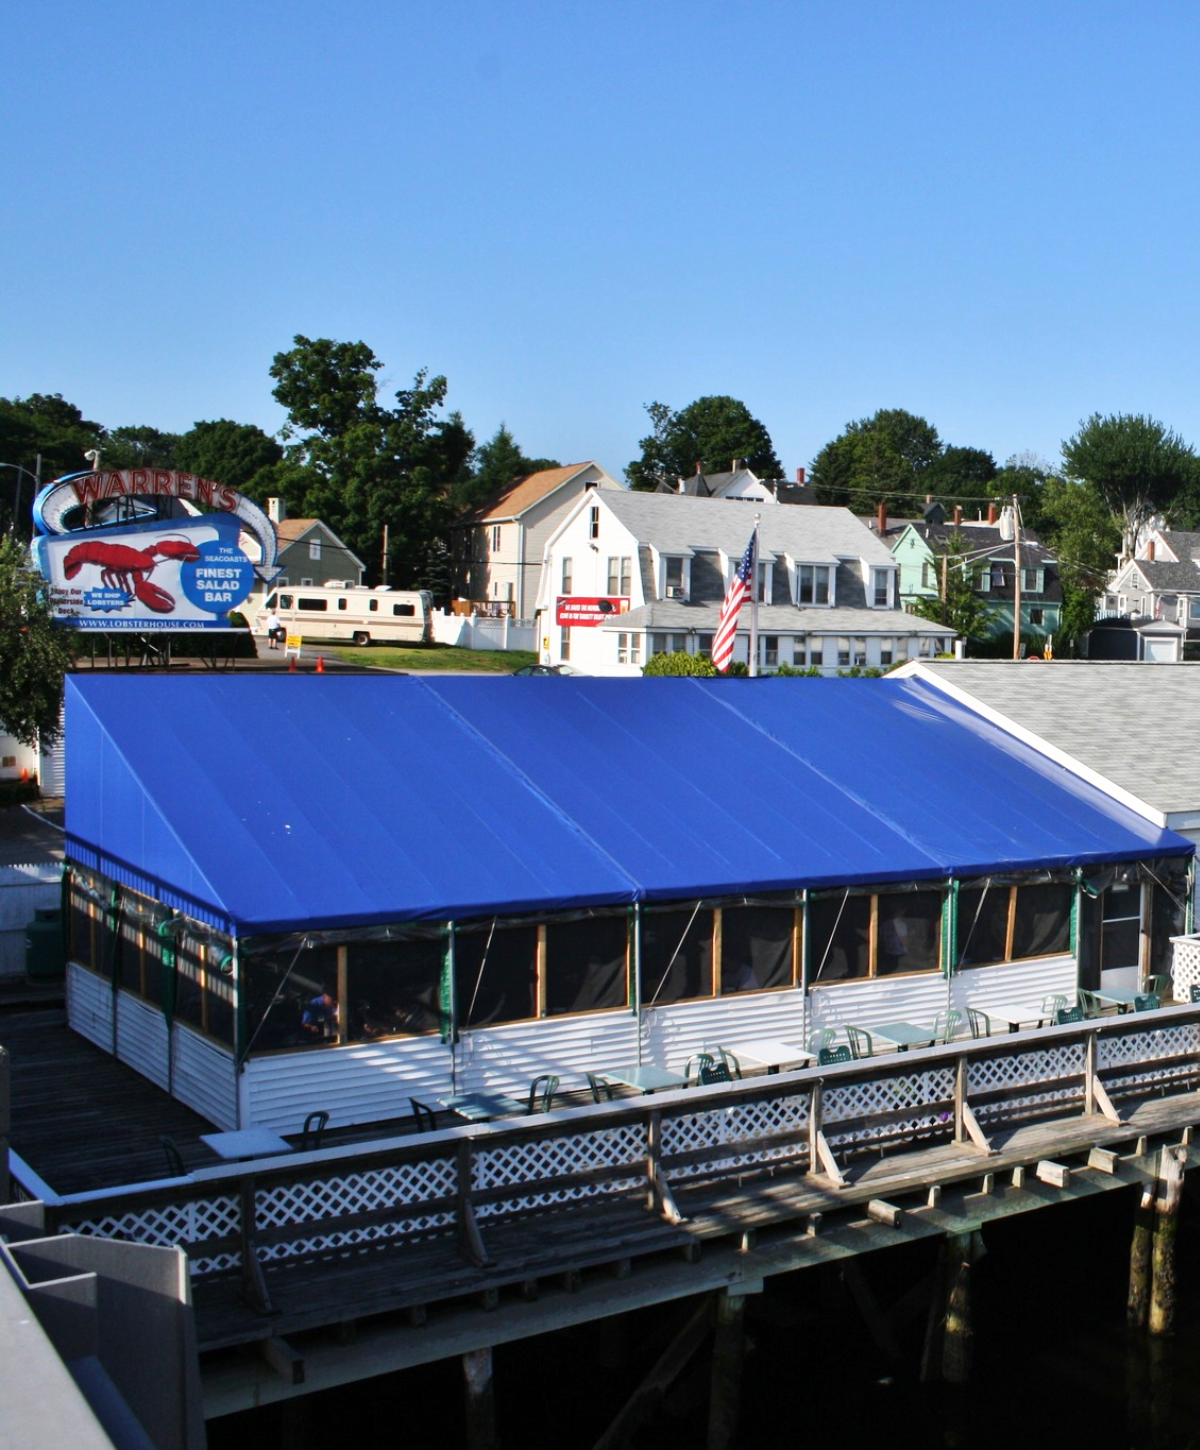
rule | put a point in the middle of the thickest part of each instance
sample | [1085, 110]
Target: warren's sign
[579, 610]
[114, 562]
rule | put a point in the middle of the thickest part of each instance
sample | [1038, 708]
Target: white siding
[203, 1076]
[670, 1035]
[880, 999]
[89, 1006]
[509, 1057]
[142, 1039]
[1016, 983]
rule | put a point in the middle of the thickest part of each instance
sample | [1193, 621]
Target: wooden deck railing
[237, 1219]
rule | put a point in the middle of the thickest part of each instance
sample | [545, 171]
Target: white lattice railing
[1185, 968]
[240, 1218]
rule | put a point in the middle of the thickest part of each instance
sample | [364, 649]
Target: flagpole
[754, 604]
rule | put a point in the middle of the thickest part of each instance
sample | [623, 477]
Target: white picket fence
[475, 631]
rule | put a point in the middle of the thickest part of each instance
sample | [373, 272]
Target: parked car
[547, 670]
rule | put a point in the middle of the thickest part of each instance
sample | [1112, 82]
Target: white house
[627, 575]
[497, 547]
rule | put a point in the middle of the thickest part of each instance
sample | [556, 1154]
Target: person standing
[274, 629]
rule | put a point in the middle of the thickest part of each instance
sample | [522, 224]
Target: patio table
[771, 1053]
[246, 1143]
[903, 1034]
[1122, 998]
[644, 1076]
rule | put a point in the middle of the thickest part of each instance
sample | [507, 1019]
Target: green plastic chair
[1054, 1002]
[424, 1116]
[541, 1094]
[821, 1038]
[1162, 987]
[1145, 1002]
[1194, 992]
[176, 1168]
[729, 1062]
[313, 1130]
[833, 1054]
[696, 1066]
[860, 1041]
[1091, 1004]
[979, 1022]
[601, 1090]
[946, 1024]
[1068, 1014]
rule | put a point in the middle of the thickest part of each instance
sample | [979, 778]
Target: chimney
[882, 519]
[957, 514]
[737, 463]
[276, 510]
[993, 516]
[1150, 551]
[699, 467]
[800, 476]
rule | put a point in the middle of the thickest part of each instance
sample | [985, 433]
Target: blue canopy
[266, 803]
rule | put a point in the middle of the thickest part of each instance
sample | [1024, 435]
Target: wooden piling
[1137, 1303]
[725, 1395]
[1162, 1269]
[958, 1341]
[480, 1401]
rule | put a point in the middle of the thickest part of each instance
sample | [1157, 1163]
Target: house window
[303, 582]
[566, 576]
[770, 650]
[564, 643]
[620, 575]
[881, 588]
[843, 652]
[629, 649]
[929, 575]
[812, 583]
[495, 538]
[887, 651]
[1037, 616]
[762, 581]
[886, 935]
[594, 522]
[997, 572]
[673, 579]
[800, 651]
[314, 550]
[704, 644]
[1032, 581]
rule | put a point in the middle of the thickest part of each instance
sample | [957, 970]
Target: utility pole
[1016, 579]
[383, 569]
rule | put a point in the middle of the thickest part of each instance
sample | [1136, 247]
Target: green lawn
[436, 657]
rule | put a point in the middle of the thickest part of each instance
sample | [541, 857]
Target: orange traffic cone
[291, 664]
[320, 664]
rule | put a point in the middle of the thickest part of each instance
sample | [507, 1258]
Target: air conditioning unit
[676, 591]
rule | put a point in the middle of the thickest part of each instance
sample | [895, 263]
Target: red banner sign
[581, 612]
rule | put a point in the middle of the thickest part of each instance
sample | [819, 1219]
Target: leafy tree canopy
[239, 454]
[712, 432]
[363, 467]
[138, 447]
[1078, 525]
[35, 652]
[1137, 465]
[46, 424]
[499, 463]
[888, 458]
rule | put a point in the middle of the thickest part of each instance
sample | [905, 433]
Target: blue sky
[985, 214]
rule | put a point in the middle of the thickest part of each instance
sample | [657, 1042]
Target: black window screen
[1043, 921]
[585, 965]
[982, 925]
[910, 927]
[496, 975]
[840, 937]
[394, 987]
[1167, 918]
[756, 947]
[279, 985]
[676, 956]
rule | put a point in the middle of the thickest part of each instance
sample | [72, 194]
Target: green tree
[956, 603]
[499, 463]
[712, 431]
[888, 458]
[46, 424]
[35, 652]
[962, 476]
[1137, 465]
[138, 447]
[368, 470]
[1078, 525]
[239, 454]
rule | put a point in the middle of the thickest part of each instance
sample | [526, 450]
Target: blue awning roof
[264, 803]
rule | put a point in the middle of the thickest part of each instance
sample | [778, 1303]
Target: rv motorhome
[351, 612]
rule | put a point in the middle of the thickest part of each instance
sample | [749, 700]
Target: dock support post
[481, 1401]
[725, 1396]
[1137, 1303]
[1162, 1273]
[959, 1342]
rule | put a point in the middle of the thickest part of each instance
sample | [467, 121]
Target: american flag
[739, 590]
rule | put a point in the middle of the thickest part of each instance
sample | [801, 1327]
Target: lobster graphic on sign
[125, 568]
